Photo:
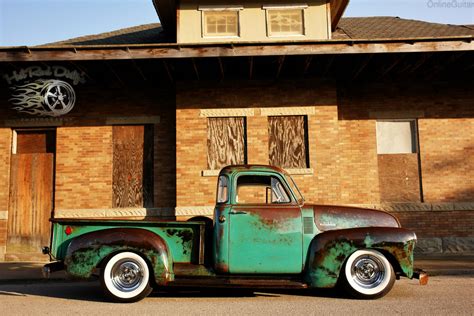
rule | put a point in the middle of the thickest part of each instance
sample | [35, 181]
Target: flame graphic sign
[43, 97]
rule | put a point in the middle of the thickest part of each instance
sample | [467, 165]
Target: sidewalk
[435, 266]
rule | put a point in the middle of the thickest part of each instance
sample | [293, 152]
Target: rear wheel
[126, 278]
[368, 275]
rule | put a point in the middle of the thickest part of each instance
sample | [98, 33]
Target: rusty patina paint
[329, 251]
[328, 217]
[87, 251]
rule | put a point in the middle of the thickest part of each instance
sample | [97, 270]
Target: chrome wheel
[368, 274]
[126, 277]
[368, 271]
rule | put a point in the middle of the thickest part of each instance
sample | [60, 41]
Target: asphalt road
[443, 296]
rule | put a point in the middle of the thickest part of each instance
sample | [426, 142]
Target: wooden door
[31, 195]
[132, 166]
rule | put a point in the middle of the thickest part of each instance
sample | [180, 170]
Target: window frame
[218, 8]
[285, 186]
[301, 7]
[222, 178]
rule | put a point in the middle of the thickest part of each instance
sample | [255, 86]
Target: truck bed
[185, 239]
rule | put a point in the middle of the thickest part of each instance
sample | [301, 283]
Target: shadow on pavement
[92, 292]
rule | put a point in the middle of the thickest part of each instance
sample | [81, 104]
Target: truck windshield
[294, 188]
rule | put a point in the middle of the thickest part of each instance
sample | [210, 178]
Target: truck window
[222, 190]
[261, 190]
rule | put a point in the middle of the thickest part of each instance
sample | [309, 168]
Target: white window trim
[204, 8]
[285, 7]
[220, 8]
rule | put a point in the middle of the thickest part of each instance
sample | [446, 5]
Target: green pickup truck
[263, 235]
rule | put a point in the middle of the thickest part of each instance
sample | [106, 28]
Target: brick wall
[445, 122]
[191, 148]
[447, 159]
[342, 137]
[84, 168]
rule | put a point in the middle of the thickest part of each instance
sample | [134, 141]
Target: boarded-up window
[396, 137]
[30, 142]
[398, 161]
[226, 143]
[288, 143]
[133, 166]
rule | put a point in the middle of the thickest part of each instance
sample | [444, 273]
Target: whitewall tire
[368, 274]
[126, 277]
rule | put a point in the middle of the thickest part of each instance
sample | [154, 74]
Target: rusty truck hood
[329, 217]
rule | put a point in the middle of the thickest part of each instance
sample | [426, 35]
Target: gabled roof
[360, 28]
[353, 36]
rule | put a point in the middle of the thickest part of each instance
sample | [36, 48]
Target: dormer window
[220, 21]
[285, 20]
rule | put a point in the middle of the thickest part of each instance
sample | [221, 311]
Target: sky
[33, 22]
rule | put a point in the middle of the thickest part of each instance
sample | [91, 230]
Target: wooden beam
[221, 68]
[220, 50]
[115, 74]
[395, 62]
[307, 63]
[328, 66]
[139, 70]
[250, 67]
[362, 66]
[196, 71]
[76, 65]
[280, 61]
[168, 71]
[420, 63]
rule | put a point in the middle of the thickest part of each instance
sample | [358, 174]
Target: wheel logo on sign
[35, 94]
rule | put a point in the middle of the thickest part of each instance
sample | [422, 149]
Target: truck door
[265, 233]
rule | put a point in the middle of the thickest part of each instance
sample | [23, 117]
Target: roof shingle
[360, 28]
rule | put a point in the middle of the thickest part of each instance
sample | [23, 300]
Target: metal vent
[308, 225]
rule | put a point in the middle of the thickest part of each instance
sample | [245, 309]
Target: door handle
[238, 212]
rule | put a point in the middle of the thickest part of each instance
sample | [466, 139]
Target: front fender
[87, 251]
[328, 251]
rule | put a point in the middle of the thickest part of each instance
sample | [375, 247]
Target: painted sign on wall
[44, 91]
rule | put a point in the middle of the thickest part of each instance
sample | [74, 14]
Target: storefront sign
[44, 91]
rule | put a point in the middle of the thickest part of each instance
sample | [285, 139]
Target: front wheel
[368, 275]
[126, 278]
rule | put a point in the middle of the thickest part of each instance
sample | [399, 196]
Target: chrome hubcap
[368, 271]
[127, 275]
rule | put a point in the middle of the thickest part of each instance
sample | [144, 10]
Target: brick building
[376, 112]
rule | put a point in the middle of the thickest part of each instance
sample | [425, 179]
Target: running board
[236, 282]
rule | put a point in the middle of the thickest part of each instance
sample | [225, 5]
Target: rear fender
[328, 251]
[87, 251]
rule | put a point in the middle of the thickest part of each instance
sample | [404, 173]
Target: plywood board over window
[398, 161]
[226, 144]
[133, 166]
[288, 145]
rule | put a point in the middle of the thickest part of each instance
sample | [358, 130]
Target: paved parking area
[445, 295]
